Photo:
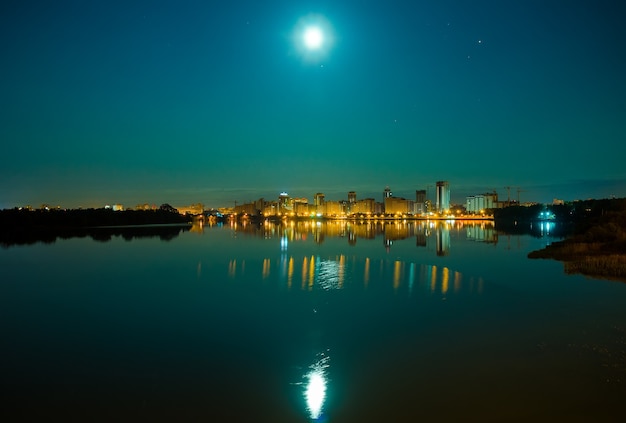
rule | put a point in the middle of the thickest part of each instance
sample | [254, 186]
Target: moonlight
[313, 38]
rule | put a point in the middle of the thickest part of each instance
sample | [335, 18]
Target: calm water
[327, 322]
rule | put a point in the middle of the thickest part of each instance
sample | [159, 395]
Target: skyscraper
[420, 201]
[351, 197]
[318, 202]
[284, 205]
[443, 196]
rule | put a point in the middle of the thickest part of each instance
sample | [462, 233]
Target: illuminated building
[352, 197]
[318, 202]
[246, 208]
[420, 201]
[396, 205]
[443, 196]
[480, 203]
[270, 208]
[195, 209]
[301, 207]
[365, 206]
[284, 205]
[333, 208]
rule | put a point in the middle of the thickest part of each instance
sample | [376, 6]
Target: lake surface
[329, 322]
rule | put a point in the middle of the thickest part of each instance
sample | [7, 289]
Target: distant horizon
[223, 197]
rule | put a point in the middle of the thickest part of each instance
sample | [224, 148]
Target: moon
[313, 38]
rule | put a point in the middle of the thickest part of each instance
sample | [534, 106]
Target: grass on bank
[598, 250]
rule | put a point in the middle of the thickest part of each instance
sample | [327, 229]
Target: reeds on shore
[599, 250]
[609, 266]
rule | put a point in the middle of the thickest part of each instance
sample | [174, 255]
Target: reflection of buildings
[442, 235]
[351, 231]
[342, 271]
[420, 238]
[484, 232]
[334, 273]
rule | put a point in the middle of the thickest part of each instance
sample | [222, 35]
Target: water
[331, 322]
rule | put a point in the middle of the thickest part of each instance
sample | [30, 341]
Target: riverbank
[22, 227]
[14, 219]
[597, 249]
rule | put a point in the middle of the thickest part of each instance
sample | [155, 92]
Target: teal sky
[131, 102]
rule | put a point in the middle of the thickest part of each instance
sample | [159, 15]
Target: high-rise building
[318, 203]
[284, 205]
[481, 202]
[420, 201]
[443, 196]
[351, 197]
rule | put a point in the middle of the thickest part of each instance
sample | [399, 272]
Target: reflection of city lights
[397, 274]
[266, 268]
[290, 272]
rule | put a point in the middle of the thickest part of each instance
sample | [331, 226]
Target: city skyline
[161, 102]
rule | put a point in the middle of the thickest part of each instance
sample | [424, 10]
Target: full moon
[313, 38]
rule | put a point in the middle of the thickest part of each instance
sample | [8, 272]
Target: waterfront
[309, 321]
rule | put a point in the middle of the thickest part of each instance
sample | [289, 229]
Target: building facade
[443, 196]
[420, 201]
[480, 203]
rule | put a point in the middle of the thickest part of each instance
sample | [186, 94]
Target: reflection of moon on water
[315, 388]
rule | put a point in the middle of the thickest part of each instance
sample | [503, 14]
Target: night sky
[196, 101]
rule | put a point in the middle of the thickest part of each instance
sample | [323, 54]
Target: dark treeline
[577, 216]
[520, 220]
[19, 227]
[83, 218]
[599, 222]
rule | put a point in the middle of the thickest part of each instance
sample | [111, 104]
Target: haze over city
[160, 101]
